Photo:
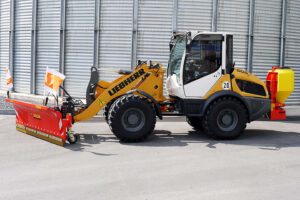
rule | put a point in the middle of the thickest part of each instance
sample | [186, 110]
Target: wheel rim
[227, 120]
[133, 120]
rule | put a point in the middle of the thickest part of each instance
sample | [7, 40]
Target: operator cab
[197, 61]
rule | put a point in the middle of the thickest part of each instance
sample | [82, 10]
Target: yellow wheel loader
[202, 84]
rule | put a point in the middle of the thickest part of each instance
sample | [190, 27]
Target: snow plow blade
[41, 121]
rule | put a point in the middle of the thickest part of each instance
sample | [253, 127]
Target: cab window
[203, 58]
[176, 56]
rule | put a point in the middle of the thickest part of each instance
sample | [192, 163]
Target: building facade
[73, 35]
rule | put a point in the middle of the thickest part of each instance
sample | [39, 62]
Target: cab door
[203, 64]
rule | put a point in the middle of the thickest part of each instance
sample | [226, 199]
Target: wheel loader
[202, 84]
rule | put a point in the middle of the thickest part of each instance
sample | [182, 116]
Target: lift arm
[118, 88]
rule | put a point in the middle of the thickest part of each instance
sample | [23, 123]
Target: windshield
[176, 55]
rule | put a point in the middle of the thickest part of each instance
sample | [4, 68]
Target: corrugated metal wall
[4, 39]
[194, 15]
[48, 37]
[267, 30]
[292, 53]
[155, 22]
[233, 17]
[154, 30]
[79, 51]
[22, 45]
[116, 21]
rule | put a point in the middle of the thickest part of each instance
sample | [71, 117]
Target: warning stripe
[39, 134]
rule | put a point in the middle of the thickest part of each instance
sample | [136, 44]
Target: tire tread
[210, 130]
[115, 126]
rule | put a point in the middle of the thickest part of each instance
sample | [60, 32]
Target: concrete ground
[175, 163]
[5, 108]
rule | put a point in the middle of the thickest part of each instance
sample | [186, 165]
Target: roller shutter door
[194, 15]
[116, 23]
[233, 17]
[4, 40]
[154, 30]
[22, 45]
[292, 48]
[48, 37]
[79, 49]
[267, 29]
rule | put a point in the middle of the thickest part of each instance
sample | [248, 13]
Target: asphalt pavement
[5, 108]
[175, 163]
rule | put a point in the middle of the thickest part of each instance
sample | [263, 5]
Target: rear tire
[195, 122]
[225, 118]
[131, 118]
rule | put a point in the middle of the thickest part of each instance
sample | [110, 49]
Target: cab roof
[195, 33]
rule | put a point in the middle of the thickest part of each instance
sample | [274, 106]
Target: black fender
[148, 96]
[227, 93]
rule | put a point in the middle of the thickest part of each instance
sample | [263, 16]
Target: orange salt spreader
[280, 84]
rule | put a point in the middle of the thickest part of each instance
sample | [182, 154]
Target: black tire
[131, 118]
[195, 122]
[106, 111]
[226, 118]
[73, 139]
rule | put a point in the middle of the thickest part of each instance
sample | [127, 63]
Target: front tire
[106, 111]
[226, 118]
[131, 118]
